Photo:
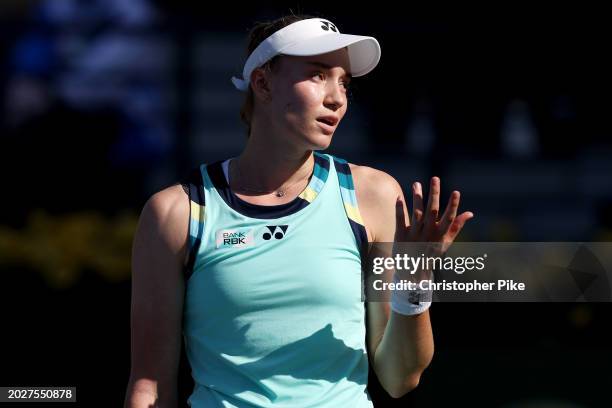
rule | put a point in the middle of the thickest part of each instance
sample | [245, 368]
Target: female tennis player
[256, 261]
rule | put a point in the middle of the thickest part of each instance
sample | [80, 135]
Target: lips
[328, 120]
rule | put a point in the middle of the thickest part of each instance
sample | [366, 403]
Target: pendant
[280, 193]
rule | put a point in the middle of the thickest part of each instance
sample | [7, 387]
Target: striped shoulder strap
[349, 199]
[194, 185]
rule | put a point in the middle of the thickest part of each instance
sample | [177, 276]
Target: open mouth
[328, 120]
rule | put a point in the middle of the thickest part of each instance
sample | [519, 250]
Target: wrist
[410, 302]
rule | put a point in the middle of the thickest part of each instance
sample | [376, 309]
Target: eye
[319, 74]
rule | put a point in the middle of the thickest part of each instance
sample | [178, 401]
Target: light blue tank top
[273, 312]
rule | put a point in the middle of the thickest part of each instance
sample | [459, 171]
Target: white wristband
[410, 302]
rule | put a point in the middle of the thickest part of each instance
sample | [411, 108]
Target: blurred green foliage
[61, 247]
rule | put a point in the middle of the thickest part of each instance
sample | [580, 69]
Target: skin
[285, 131]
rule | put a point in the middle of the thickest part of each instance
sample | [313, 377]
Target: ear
[260, 83]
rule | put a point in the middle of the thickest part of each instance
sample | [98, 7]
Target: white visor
[313, 36]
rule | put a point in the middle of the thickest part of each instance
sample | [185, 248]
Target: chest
[271, 265]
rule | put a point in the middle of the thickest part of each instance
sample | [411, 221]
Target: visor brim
[364, 52]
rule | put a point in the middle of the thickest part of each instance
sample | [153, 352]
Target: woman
[260, 267]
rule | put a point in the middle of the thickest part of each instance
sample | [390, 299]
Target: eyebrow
[326, 66]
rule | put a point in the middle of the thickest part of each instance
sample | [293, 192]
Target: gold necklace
[278, 193]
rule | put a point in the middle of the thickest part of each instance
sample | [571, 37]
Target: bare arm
[400, 347]
[158, 254]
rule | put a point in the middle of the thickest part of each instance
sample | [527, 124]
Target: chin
[318, 141]
[314, 138]
[320, 138]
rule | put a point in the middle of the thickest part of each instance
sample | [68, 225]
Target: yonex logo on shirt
[281, 230]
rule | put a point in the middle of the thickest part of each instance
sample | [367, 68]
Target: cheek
[305, 98]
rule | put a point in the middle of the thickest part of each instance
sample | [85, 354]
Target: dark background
[102, 103]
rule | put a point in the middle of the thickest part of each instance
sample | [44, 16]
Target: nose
[334, 97]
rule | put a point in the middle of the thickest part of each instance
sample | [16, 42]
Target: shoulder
[165, 218]
[168, 204]
[374, 184]
[377, 193]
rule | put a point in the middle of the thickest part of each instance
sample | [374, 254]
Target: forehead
[336, 60]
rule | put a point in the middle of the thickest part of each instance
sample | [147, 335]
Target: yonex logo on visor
[313, 36]
[328, 26]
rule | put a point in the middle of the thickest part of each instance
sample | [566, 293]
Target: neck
[271, 164]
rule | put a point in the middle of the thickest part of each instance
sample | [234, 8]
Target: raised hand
[425, 225]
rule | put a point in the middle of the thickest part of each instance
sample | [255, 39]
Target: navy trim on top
[194, 185]
[215, 172]
[361, 236]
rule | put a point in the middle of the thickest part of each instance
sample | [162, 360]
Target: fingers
[451, 211]
[425, 225]
[458, 224]
[400, 221]
[417, 208]
[433, 206]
